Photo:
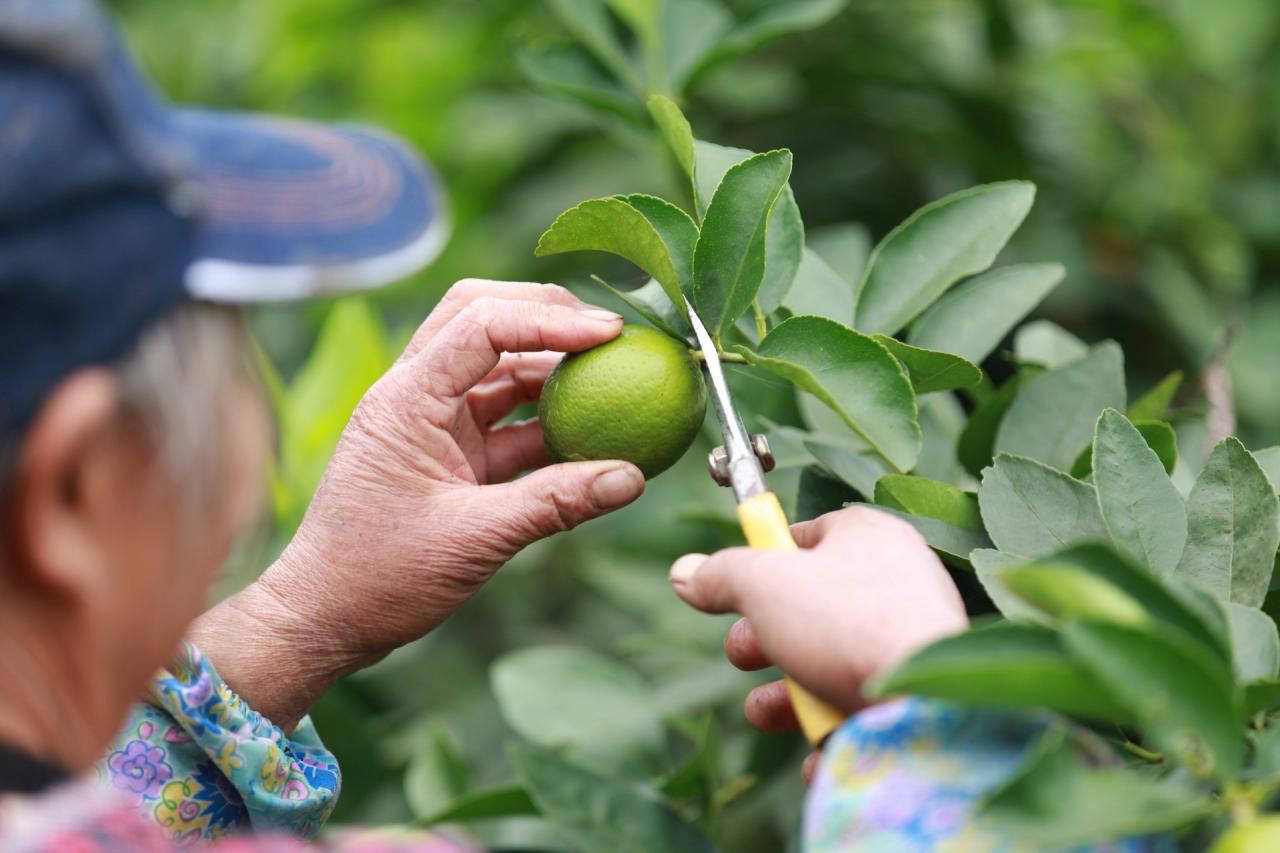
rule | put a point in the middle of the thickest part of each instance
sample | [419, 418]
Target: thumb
[720, 583]
[560, 497]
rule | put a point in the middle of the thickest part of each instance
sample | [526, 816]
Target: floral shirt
[909, 775]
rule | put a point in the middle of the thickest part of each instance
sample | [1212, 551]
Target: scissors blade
[746, 476]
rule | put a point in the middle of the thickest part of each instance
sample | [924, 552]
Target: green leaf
[677, 230]
[1269, 459]
[819, 493]
[600, 813]
[977, 444]
[1061, 799]
[1255, 644]
[712, 163]
[784, 252]
[952, 542]
[651, 302]
[819, 291]
[1178, 610]
[503, 801]
[1182, 695]
[939, 244]
[990, 565]
[846, 248]
[560, 696]
[589, 22]
[1262, 696]
[1030, 509]
[1001, 665]
[675, 130]
[768, 22]
[1158, 435]
[929, 498]
[1047, 344]
[1052, 418]
[437, 775]
[1233, 527]
[571, 73]
[932, 371]
[1153, 405]
[729, 261]
[1141, 508]
[612, 225]
[860, 469]
[691, 29]
[350, 354]
[853, 375]
[1064, 592]
[973, 319]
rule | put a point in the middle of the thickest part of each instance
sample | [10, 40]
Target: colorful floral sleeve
[203, 764]
[909, 775]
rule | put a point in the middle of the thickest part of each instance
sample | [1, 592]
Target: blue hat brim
[290, 209]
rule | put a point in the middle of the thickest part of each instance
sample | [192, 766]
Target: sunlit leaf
[973, 319]
[929, 498]
[930, 370]
[1159, 436]
[938, 245]
[853, 375]
[1154, 404]
[729, 261]
[612, 225]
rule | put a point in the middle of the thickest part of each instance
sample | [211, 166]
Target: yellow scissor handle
[766, 528]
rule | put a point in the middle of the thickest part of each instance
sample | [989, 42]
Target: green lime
[639, 397]
[1257, 836]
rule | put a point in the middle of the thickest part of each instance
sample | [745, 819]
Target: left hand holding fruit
[414, 512]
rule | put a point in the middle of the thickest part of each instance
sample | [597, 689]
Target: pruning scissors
[741, 464]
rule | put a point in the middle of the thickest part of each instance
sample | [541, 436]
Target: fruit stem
[762, 325]
[731, 357]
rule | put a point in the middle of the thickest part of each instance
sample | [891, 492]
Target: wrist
[271, 653]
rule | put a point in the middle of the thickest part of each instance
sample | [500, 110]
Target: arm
[418, 508]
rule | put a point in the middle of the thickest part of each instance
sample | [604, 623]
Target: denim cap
[115, 206]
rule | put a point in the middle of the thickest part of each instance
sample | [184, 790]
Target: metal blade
[745, 473]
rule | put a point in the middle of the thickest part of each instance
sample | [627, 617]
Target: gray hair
[173, 384]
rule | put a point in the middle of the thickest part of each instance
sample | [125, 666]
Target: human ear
[58, 479]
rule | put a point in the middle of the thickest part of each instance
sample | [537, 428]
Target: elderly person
[133, 443]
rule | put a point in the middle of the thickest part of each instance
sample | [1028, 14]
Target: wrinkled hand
[863, 593]
[417, 508]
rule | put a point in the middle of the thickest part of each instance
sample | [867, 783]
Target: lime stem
[762, 325]
[731, 357]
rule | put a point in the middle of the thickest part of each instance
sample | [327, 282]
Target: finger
[768, 708]
[517, 379]
[466, 291]
[809, 769]
[741, 648]
[513, 448]
[849, 524]
[560, 497]
[719, 583]
[471, 344]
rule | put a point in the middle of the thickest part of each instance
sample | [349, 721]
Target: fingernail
[682, 570]
[600, 314]
[616, 487]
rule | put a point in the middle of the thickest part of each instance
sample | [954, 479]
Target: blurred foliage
[1151, 128]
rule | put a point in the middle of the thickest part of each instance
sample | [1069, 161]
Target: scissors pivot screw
[718, 460]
